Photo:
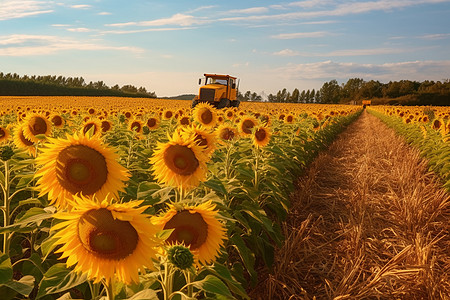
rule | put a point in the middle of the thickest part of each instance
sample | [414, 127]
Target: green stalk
[257, 157]
[110, 289]
[6, 210]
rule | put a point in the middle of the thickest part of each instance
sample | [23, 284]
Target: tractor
[218, 90]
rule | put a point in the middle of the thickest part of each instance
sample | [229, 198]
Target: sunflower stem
[110, 289]
[257, 157]
[6, 209]
[190, 288]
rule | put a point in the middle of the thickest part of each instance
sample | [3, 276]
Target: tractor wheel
[224, 102]
[235, 103]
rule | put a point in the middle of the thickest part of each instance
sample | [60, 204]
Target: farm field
[119, 198]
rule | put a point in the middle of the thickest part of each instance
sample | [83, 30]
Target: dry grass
[368, 222]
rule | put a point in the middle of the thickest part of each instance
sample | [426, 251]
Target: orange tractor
[218, 90]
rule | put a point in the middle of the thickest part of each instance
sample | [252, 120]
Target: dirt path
[368, 222]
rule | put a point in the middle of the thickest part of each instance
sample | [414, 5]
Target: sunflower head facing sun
[179, 162]
[205, 115]
[195, 226]
[202, 137]
[36, 125]
[78, 165]
[261, 136]
[106, 240]
[22, 142]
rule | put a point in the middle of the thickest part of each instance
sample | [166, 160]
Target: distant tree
[295, 96]
[330, 92]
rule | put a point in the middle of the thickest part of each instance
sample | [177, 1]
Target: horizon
[166, 47]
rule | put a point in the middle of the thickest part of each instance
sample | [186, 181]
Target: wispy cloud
[435, 36]
[287, 52]
[177, 20]
[326, 70]
[104, 13]
[205, 7]
[345, 52]
[13, 9]
[32, 45]
[145, 30]
[81, 6]
[300, 35]
[251, 10]
[340, 9]
[80, 29]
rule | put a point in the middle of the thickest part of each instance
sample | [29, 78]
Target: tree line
[16, 85]
[355, 90]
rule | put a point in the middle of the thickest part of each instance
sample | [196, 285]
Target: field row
[139, 198]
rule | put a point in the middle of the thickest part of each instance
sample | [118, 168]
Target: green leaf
[6, 271]
[248, 258]
[24, 286]
[59, 279]
[216, 185]
[147, 294]
[212, 284]
[223, 273]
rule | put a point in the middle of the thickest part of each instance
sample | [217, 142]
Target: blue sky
[166, 46]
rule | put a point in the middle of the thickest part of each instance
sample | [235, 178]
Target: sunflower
[106, 126]
[57, 121]
[106, 240]
[195, 226]
[92, 126]
[179, 162]
[167, 114]
[153, 123]
[205, 115]
[78, 164]
[289, 119]
[261, 136]
[135, 125]
[22, 142]
[184, 121]
[226, 132]
[4, 134]
[203, 138]
[36, 125]
[246, 124]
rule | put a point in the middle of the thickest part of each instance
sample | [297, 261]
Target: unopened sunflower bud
[180, 256]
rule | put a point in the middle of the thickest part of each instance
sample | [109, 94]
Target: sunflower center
[200, 140]
[88, 126]
[247, 126]
[189, 228]
[260, 134]
[24, 140]
[136, 126]
[80, 168]
[106, 126]
[184, 121]
[227, 134]
[151, 122]
[2, 133]
[106, 237]
[37, 125]
[181, 160]
[57, 120]
[206, 116]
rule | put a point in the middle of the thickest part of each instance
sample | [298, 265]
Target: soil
[368, 221]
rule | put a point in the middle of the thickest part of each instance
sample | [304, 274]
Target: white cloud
[205, 7]
[80, 29]
[13, 9]
[81, 6]
[31, 45]
[104, 13]
[177, 20]
[300, 35]
[146, 30]
[251, 10]
[342, 9]
[326, 70]
[287, 52]
[436, 36]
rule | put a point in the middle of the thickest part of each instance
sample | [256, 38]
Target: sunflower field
[116, 198]
[427, 129]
